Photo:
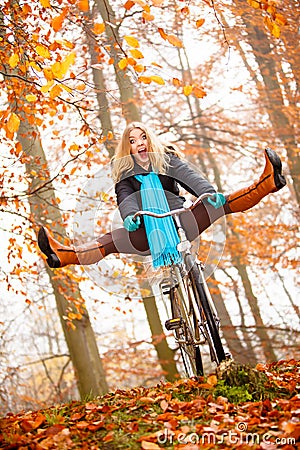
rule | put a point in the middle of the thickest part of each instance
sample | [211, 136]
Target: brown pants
[135, 242]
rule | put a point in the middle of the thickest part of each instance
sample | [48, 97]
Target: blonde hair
[122, 161]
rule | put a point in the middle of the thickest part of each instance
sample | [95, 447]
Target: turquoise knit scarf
[161, 233]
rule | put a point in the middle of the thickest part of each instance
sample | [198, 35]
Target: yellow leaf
[123, 63]
[13, 60]
[83, 5]
[59, 69]
[66, 88]
[254, 3]
[35, 66]
[67, 62]
[45, 3]
[99, 28]
[187, 90]
[13, 123]
[42, 51]
[104, 197]
[31, 98]
[276, 30]
[200, 22]
[157, 79]
[136, 54]
[110, 135]
[132, 41]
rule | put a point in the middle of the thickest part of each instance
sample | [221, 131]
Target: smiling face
[139, 146]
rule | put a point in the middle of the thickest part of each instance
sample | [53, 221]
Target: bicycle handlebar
[174, 212]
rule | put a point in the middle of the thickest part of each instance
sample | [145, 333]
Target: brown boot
[271, 180]
[60, 255]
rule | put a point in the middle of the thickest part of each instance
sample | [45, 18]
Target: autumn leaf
[198, 92]
[45, 3]
[136, 54]
[13, 123]
[83, 5]
[42, 51]
[143, 79]
[187, 89]
[200, 22]
[57, 21]
[157, 79]
[55, 91]
[99, 28]
[171, 38]
[13, 60]
[280, 19]
[254, 3]
[132, 41]
[272, 27]
[139, 68]
[123, 63]
[176, 82]
[31, 98]
[128, 5]
[174, 41]
[147, 16]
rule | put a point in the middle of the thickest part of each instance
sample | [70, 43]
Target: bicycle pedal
[173, 324]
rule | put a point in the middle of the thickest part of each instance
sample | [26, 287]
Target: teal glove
[130, 224]
[219, 200]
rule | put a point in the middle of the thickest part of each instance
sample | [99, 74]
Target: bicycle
[194, 320]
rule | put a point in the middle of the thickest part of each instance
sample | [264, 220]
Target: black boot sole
[274, 159]
[43, 242]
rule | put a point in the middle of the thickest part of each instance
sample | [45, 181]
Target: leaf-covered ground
[236, 408]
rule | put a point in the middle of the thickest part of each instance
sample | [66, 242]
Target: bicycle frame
[193, 311]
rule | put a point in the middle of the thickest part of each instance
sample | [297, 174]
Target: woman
[147, 175]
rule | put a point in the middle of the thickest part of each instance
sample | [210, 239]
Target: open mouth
[142, 150]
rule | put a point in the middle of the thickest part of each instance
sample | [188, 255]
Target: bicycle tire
[213, 336]
[190, 353]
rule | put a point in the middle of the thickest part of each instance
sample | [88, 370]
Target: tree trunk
[252, 300]
[43, 206]
[273, 94]
[126, 88]
[131, 113]
[81, 341]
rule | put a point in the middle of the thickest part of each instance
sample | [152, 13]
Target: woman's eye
[144, 137]
[131, 141]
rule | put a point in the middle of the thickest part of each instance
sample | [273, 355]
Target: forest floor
[238, 408]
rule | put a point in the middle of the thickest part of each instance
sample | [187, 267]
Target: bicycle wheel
[186, 331]
[209, 323]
